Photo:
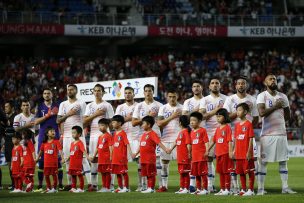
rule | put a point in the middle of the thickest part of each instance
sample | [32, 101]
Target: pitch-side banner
[115, 89]
[105, 30]
[31, 29]
[265, 31]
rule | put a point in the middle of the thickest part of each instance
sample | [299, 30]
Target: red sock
[205, 182]
[251, 180]
[74, 181]
[227, 181]
[119, 180]
[48, 182]
[81, 181]
[108, 180]
[186, 180]
[104, 180]
[126, 180]
[20, 183]
[55, 179]
[181, 180]
[151, 181]
[27, 180]
[222, 181]
[198, 182]
[16, 183]
[243, 181]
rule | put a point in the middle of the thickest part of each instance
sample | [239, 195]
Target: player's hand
[152, 113]
[128, 117]
[231, 156]
[100, 112]
[279, 104]
[133, 156]
[63, 161]
[176, 114]
[248, 156]
[206, 154]
[73, 112]
[3, 148]
[168, 151]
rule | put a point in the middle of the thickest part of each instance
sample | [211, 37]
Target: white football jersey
[21, 120]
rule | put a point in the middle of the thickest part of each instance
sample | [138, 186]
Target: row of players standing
[272, 106]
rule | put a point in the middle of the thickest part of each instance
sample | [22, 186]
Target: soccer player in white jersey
[70, 114]
[208, 107]
[230, 104]
[191, 105]
[148, 107]
[24, 120]
[273, 107]
[126, 110]
[168, 121]
[94, 112]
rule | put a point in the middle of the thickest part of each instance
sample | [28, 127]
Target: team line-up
[152, 134]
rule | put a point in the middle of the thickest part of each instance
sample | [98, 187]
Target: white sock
[283, 173]
[159, 169]
[165, 174]
[144, 181]
[256, 168]
[86, 169]
[112, 180]
[213, 174]
[210, 175]
[69, 177]
[94, 174]
[192, 181]
[262, 175]
[234, 184]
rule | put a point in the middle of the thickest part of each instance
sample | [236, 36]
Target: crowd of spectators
[25, 77]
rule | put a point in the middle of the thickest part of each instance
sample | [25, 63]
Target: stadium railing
[149, 19]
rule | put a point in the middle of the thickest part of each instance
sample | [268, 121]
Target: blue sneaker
[192, 189]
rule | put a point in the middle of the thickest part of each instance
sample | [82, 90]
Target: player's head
[222, 116]
[98, 91]
[184, 121]
[27, 135]
[271, 82]
[214, 85]
[72, 91]
[16, 138]
[103, 124]
[195, 119]
[76, 132]
[147, 123]
[129, 94]
[241, 84]
[172, 96]
[49, 134]
[117, 121]
[242, 110]
[9, 107]
[197, 87]
[25, 106]
[47, 94]
[148, 91]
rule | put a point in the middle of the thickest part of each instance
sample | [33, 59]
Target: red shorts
[28, 172]
[17, 174]
[243, 166]
[148, 169]
[119, 169]
[199, 168]
[184, 168]
[224, 164]
[74, 172]
[104, 168]
[50, 171]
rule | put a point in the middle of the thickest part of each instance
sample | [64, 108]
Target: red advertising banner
[31, 29]
[188, 31]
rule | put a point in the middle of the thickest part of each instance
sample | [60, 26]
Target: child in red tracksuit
[29, 159]
[104, 150]
[77, 150]
[222, 139]
[50, 147]
[17, 163]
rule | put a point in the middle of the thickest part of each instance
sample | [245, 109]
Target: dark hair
[119, 118]
[78, 129]
[148, 119]
[243, 77]
[197, 115]
[27, 136]
[17, 135]
[25, 100]
[244, 105]
[223, 112]
[197, 81]
[73, 85]
[184, 122]
[172, 90]
[104, 121]
[99, 85]
[10, 102]
[214, 78]
[129, 88]
[47, 88]
[149, 86]
[49, 128]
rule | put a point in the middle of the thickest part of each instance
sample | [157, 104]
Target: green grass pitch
[272, 185]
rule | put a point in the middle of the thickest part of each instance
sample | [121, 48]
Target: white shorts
[67, 145]
[134, 145]
[255, 149]
[93, 145]
[164, 155]
[274, 148]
